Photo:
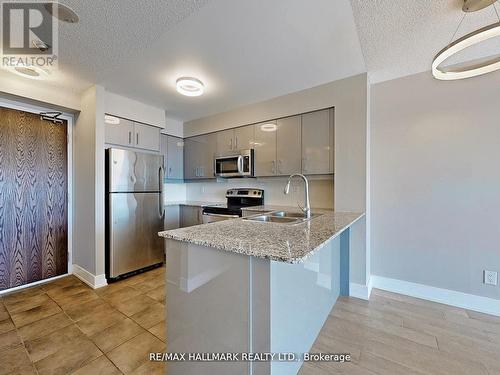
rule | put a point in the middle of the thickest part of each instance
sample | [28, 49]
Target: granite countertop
[271, 208]
[274, 241]
[193, 203]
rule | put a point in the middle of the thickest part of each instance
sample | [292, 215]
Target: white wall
[88, 184]
[173, 127]
[436, 181]
[38, 92]
[350, 98]
[321, 190]
[131, 109]
[83, 181]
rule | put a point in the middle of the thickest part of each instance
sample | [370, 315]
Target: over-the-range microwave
[235, 164]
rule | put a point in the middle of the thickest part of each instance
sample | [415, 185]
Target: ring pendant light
[471, 39]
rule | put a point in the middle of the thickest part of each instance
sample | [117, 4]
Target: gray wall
[435, 179]
[349, 96]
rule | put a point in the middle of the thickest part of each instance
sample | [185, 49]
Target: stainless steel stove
[236, 200]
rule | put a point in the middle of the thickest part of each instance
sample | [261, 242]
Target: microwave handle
[240, 164]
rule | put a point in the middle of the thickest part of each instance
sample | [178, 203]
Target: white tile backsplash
[320, 189]
[175, 192]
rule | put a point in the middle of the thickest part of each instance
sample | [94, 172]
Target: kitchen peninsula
[246, 285]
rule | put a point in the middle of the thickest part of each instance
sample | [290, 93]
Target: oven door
[240, 165]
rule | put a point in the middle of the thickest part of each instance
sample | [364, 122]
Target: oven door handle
[220, 215]
[240, 164]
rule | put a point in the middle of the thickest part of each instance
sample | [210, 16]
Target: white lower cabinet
[172, 217]
[190, 215]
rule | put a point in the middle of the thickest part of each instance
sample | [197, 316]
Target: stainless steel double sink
[282, 217]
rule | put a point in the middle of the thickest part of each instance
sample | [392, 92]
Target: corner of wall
[100, 226]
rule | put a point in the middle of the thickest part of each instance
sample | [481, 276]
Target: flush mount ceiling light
[33, 72]
[268, 127]
[62, 12]
[471, 39]
[190, 86]
[112, 120]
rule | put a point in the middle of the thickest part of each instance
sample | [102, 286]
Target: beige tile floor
[64, 327]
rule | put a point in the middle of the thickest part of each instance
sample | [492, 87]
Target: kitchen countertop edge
[268, 246]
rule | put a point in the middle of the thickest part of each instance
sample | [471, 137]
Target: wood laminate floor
[397, 335]
[64, 327]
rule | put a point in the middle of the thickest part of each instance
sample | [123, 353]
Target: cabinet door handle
[137, 138]
[231, 144]
[130, 138]
[236, 147]
[279, 167]
[273, 168]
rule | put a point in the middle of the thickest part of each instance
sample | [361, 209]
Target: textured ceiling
[402, 37]
[245, 51]
[248, 51]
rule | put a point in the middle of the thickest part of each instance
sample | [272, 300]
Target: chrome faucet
[307, 208]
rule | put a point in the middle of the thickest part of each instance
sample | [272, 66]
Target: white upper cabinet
[146, 137]
[120, 133]
[244, 137]
[288, 144]
[317, 142]
[208, 151]
[332, 140]
[241, 138]
[225, 140]
[175, 158]
[296, 144]
[199, 153]
[265, 148]
[277, 147]
[190, 159]
[172, 149]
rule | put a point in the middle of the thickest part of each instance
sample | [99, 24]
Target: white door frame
[69, 117]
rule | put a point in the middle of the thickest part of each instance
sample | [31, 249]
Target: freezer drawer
[134, 222]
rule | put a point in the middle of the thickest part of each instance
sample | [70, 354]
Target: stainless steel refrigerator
[134, 211]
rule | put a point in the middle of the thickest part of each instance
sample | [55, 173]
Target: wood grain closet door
[33, 198]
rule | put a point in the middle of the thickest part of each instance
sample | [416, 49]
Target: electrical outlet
[490, 277]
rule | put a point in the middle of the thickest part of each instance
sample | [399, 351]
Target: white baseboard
[88, 278]
[360, 291]
[448, 297]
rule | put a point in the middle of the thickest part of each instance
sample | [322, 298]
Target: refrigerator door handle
[161, 204]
